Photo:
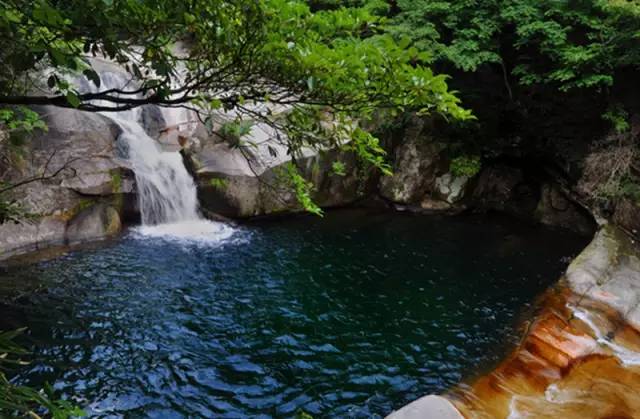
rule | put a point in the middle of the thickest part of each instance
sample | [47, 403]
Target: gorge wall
[93, 192]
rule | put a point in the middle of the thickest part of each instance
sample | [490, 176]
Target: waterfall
[167, 193]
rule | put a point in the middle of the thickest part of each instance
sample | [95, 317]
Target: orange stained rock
[565, 367]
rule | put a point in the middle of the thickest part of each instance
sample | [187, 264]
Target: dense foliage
[569, 44]
[232, 53]
[222, 55]
[547, 79]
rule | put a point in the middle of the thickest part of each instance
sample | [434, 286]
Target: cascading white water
[166, 191]
[167, 194]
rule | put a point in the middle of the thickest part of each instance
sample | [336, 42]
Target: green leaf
[93, 76]
[73, 99]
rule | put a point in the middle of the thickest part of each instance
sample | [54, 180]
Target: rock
[608, 271]
[250, 180]
[415, 167]
[555, 209]
[627, 216]
[428, 407]
[580, 352]
[96, 222]
[82, 149]
[451, 188]
[152, 120]
[429, 204]
[503, 188]
[82, 146]
[26, 236]
[576, 358]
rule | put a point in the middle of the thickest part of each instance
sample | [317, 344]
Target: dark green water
[349, 316]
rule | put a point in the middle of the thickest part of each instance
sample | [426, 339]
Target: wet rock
[152, 120]
[579, 357]
[608, 271]
[96, 222]
[30, 235]
[427, 407]
[248, 181]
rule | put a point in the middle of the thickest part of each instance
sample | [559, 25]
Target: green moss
[116, 181]
[464, 165]
[219, 183]
[339, 168]
[113, 224]
[81, 206]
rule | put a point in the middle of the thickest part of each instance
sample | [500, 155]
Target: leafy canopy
[329, 69]
[219, 54]
[568, 43]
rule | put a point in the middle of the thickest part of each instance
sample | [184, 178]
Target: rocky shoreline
[580, 355]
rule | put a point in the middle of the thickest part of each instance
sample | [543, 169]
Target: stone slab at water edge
[428, 407]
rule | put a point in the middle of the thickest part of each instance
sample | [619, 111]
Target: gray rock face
[31, 235]
[608, 271]
[96, 222]
[415, 166]
[250, 180]
[81, 149]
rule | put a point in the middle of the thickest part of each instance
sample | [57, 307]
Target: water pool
[352, 315]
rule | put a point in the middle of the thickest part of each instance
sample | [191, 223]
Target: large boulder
[75, 164]
[250, 179]
[95, 222]
[608, 271]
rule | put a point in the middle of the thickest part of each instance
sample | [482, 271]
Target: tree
[222, 54]
[547, 76]
[568, 44]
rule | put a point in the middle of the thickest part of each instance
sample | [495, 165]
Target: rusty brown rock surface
[578, 359]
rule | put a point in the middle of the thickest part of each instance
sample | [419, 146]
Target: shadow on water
[352, 315]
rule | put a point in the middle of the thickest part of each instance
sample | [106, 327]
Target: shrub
[464, 165]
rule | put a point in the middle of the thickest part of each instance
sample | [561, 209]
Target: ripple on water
[348, 316]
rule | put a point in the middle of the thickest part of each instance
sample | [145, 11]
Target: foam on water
[203, 231]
